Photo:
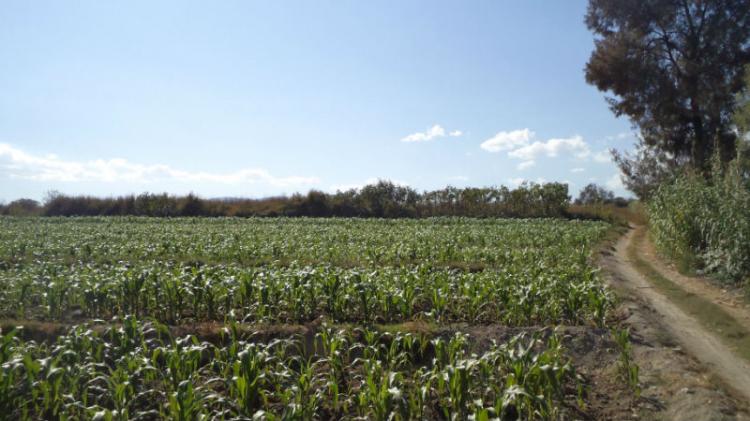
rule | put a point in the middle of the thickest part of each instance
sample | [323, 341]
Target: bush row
[383, 199]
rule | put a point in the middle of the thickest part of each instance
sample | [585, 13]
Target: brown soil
[686, 373]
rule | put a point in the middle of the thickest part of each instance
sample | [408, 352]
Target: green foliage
[705, 223]
[673, 68]
[294, 271]
[150, 276]
[741, 115]
[383, 199]
[627, 369]
[21, 207]
[594, 194]
[134, 372]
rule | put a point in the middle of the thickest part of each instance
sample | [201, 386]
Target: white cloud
[603, 157]
[504, 141]
[515, 182]
[458, 178]
[552, 148]
[433, 132]
[520, 144]
[620, 136]
[526, 164]
[578, 170]
[16, 163]
[615, 182]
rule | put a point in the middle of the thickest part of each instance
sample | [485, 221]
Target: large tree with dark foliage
[674, 68]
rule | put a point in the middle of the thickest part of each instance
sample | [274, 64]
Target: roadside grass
[633, 213]
[710, 315]
[688, 265]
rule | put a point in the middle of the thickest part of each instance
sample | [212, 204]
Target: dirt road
[730, 301]
[715, 381]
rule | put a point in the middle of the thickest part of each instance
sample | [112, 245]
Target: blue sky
[241, 98]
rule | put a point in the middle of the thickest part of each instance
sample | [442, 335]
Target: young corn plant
[380, 396]
[249, 378]
[627, 368]
[9, 372]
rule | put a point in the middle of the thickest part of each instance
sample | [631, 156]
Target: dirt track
[717, 380]
[728, 300]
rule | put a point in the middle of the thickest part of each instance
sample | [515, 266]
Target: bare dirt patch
[686, 372]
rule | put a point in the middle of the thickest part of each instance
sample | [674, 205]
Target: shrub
[705, 223]
[383, 199]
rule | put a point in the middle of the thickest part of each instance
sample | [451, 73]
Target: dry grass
[632, 214]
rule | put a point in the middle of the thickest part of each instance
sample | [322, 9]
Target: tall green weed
[704, 223]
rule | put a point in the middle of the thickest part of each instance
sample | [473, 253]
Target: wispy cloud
[575, 170]
[16, 163]
[515, 182]
[504, 141]
[615, 182]
[552, 148]
[602, 157]
[458, 178]
[434, 132]
[520, 144]
[620, 136]
[526, 164]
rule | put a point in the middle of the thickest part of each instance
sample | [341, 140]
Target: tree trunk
[700, 144]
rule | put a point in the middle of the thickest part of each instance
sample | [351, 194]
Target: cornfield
[123, 285]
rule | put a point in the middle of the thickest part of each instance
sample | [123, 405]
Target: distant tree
[55, 203]
[50, 196]
[192, 205]
[343, 203]
[22, 207]
[553, 198]
[674, 67]
[386, 199]
[594, 194]
[316, 204]
[383, 199]
[149, 204]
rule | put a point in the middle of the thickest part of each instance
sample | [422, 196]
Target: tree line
[383, 199]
